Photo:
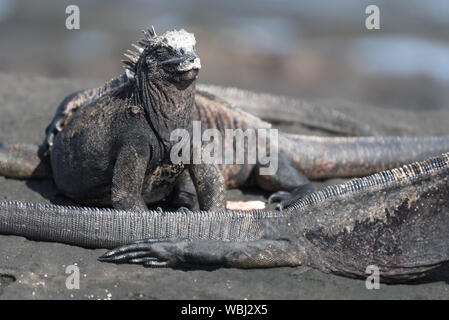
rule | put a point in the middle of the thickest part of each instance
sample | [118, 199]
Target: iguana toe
[150, 262]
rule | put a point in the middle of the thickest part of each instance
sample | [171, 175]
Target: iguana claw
[147, 252]
[286, 198]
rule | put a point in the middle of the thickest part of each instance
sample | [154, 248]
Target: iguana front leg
[210, 186]
[128, 178]
[184, 193]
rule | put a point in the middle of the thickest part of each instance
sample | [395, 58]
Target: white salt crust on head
[180, 40]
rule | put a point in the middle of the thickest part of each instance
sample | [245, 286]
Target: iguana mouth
[184, 64]
[187, 75]
[190, 64]
[185, 68]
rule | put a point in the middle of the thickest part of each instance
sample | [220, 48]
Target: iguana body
[111, 145]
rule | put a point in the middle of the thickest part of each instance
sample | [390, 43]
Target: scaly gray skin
[397, 220]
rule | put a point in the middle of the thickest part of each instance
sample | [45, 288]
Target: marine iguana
[114, 144]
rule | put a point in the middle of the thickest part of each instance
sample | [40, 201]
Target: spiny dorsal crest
[180, 41]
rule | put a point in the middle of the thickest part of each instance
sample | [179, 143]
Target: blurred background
[302, 48]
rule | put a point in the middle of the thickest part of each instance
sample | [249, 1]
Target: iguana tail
[279, 109]
[332, 157]
[108, 228]
[23, 161]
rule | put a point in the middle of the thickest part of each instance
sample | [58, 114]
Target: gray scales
[330, 230]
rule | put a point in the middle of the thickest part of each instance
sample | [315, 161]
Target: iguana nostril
[196, 63]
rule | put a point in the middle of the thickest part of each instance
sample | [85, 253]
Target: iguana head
[170, 57]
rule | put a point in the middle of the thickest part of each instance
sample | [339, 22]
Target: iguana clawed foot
[185, 209]
[151, 253]
[286, 198]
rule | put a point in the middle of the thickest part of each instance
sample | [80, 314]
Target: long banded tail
[277, 109]
[330, 157]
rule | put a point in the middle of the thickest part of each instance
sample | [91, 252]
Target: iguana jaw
[186, 76]
[185, 63]
[185, 68]
[191, 62]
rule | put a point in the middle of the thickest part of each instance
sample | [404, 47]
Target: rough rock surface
[36, 270]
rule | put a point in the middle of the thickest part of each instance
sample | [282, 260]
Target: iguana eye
[162, 52]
